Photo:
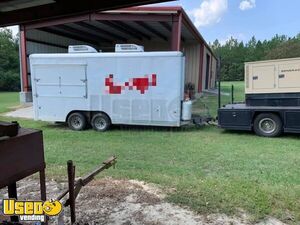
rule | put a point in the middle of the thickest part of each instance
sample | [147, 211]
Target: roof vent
[129, 48]
[81, 49]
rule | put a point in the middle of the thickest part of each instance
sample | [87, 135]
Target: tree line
[233, 54]
[9, 61]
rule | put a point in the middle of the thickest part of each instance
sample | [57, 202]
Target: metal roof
[14, 12]
[189, 31]
[104, 29]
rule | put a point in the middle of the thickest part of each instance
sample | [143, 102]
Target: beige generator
[272, 104]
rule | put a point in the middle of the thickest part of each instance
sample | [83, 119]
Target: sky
[241, 19]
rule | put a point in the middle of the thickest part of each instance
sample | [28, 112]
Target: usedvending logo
[31, 210]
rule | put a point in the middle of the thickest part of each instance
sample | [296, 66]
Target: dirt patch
[125, 202]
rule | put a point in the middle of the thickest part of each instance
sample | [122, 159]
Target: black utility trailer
[272, 103]
[269, 121]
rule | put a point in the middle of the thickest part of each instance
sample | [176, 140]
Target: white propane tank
[187, 110]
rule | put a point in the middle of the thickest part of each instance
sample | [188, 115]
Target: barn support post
[25, 94]
[176, 32]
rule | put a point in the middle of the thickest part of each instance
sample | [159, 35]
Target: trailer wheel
[77, 121]
[268, 125]
[101, 122]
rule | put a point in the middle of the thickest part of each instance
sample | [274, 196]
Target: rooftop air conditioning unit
[129, 48]
[81, 49]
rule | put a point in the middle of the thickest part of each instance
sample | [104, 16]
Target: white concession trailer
[128, 86]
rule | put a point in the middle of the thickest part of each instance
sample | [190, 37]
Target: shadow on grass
[251, 133]
[130, 128]
[291, 135]
[239, 132]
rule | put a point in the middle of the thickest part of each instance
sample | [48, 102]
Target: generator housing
[272, 99]
[273, 83]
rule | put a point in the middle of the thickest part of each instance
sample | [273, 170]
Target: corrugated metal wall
[192, 65]
[214, 73]
[48, 37]
[192, 57]
[33, 47]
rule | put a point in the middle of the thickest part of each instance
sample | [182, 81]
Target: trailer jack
[201, 120]
[75, 187]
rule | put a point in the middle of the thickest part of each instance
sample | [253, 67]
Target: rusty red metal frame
[130, 17]
[99, 17]
[153, 8]
[176, 33]
[53, 22]
[24, 70]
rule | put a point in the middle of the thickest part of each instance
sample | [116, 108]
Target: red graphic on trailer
[140, 84]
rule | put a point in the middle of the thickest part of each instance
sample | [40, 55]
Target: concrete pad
[26, 112]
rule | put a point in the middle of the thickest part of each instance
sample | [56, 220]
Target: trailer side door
[55, 87]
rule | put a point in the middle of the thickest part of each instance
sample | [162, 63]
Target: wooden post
[43, 185]
[43, 190]
[25, 81]
[12, 193]
[71, 181]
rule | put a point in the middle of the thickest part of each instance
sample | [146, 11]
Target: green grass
[8, 100]
[211, 170]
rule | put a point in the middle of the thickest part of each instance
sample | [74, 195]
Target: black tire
[267, 125]
[100, 122]
[77, 121]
